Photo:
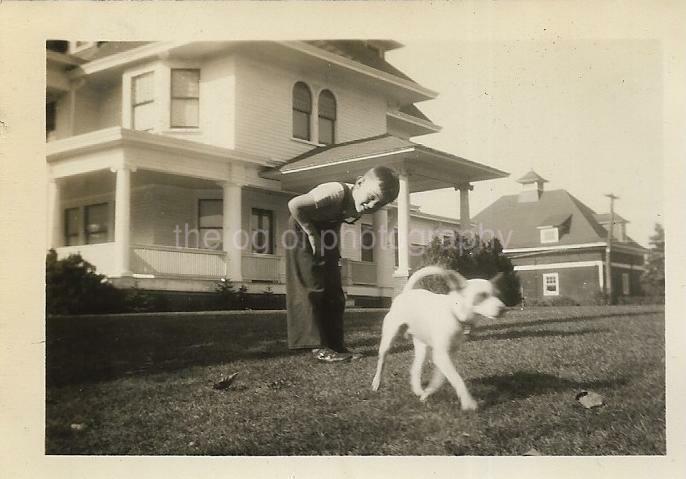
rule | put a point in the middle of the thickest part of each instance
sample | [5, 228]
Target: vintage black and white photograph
[374, 244]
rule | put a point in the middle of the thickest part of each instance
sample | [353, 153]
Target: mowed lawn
[143, 385]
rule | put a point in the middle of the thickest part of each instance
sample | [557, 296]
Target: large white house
[161, 154]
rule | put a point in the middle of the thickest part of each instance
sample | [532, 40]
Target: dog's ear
[455, 280]
[495, 279]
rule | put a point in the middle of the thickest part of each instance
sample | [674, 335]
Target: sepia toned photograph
[354, 247]
[342, 239]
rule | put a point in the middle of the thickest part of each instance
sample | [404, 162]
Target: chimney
[532, 187]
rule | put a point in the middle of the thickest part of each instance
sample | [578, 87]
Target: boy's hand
[316, 244]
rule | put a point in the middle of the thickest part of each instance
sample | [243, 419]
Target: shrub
[226, 292]
[73, 287]
[554, 301]
[473, 258]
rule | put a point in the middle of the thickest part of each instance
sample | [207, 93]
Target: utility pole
[608, 249]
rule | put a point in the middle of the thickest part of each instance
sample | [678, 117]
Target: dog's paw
[469, 405]
[376, 383]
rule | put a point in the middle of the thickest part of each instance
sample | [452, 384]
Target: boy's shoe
[328, 355]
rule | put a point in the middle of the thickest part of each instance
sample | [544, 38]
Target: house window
[262, 231]
[96, 218]
[185, 98]
[72, 219]
[302, 110]
[143, 102]
[626, 284]
[50, 118]
[210, 222]
[549, 235]
[551, 284]
[367, 243]
[327, 118]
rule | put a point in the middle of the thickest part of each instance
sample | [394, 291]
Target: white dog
[437, 321]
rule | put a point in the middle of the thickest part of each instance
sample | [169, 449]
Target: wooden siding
[169, 261]
[264, 113]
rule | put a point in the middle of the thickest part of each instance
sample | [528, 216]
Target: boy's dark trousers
[314, 294]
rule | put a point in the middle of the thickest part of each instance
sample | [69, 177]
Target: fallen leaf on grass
[78, 427]
[589, 399]
[532, 452]
[225, 382]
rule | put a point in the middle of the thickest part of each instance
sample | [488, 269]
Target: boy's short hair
[388, 181]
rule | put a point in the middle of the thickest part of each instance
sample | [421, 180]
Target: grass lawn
[144, 386]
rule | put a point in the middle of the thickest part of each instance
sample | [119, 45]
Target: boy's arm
[302, 207]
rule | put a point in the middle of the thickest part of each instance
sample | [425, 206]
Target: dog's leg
[442, 361]
[388, 331]
[437, 380]
[417, 364]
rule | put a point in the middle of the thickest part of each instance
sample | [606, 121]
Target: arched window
[327, 118]
[302, 110]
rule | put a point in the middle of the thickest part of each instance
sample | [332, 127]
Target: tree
[653, 279]
[473, 258]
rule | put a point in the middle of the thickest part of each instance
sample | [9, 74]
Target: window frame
[77, 234]
[220, 228]
[545, 284]
[261, 213]
[321, 117]
[366, 254]
[554, 230]
[308, 114]
[184, 98]
[135, 105]
[105, 226]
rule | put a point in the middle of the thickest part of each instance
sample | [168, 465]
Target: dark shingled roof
[605, 218]
[520, 220]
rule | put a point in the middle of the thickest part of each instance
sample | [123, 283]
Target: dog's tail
[454, 279]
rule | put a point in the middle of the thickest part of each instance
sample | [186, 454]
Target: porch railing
[101, 255]
[358, 272]
[172, 261]
[257, 267]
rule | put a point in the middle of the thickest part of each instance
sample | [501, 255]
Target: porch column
[403, 269]
[383, 251]
[232, 237]
[122, 221]
[55, 219]
[465, 220]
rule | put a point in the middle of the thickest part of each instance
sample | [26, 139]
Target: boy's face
[367, 195]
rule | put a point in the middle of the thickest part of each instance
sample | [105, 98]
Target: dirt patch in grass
[144, 386]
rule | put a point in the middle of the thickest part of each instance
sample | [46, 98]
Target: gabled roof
[520, 221]
[555, 219]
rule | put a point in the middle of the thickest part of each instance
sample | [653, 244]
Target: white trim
[547, 230]
[570, 264]
[350, 160]
[359, 68]
[398, 115]
[546, 248]
[557, 284]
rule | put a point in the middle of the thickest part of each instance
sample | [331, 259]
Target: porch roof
[428, 169]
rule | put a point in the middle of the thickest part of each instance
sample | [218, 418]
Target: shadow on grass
[523, 384]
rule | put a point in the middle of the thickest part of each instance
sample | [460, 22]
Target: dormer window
[550, 235]
[185, 98]
[302, 111]
[327, 118]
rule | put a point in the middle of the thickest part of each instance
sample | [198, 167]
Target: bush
[639, 300]
[473, 258]
[73, 287]
[556, 301]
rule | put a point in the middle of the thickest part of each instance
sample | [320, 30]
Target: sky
[584, 114]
